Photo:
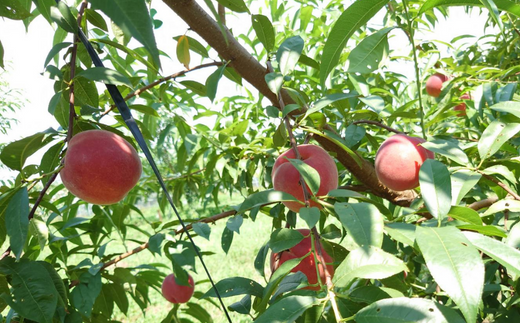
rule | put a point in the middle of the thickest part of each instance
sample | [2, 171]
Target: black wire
[134, 129]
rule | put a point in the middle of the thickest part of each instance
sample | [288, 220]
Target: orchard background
[300, 72]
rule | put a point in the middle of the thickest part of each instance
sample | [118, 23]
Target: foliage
[321, 71]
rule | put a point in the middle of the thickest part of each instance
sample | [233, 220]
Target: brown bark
[252, 71]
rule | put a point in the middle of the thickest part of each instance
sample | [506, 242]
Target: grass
[238, 262]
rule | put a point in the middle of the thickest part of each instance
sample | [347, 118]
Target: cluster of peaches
[101, 167]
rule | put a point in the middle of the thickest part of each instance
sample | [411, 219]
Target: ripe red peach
[286, 177]
[100, 167]
[308, 265]
[398, 161]
[434, 84]
[462, 107]
[175, 293]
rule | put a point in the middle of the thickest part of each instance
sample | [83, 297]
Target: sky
[25, 54]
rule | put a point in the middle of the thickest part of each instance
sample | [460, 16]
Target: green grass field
[238, 262]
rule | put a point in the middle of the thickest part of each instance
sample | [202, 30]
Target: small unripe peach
[286, 177]
[100, 167]
[176, 293]
[434, 84]
[398, 161]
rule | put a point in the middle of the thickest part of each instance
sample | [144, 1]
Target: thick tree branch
[253, 72]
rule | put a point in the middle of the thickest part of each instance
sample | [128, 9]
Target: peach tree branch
[253, 72]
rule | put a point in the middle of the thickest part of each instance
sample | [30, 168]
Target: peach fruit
[462, 107]
[398, 161]
[308, 265]
[434, 84]
[100, 167]
[175, 293]
[286, 177]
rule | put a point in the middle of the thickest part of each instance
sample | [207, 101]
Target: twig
[328, 278]
[162, 80]
[379, 124]
[416, 63]
[483, 203]
[222, 13]
[144, 246]
[504, 186]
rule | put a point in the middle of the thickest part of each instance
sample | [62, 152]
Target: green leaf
[234, 286]
[369, 53]
[462, 182]
[226, 239]
[2, 55]
[465, 214]
[235, 223]
[287, 309]
[501, 170]
[309, 174]
[435, 182]
[95, 19]
[183, 51]
[367, 262]
[144, 109]
[289, 53]
[502, 205]
[196, 87]
[448, 149]
[202, 229]
[311, 215]
[402, 232]
[264, 31]
[375, 102]
[265, 197]
[105, 75]
[455, 265]
[363, 222]
[506, 255]
[39, 229]
[155, 242]
[84, 295]
[409, 310]
[133, 18]
[327, 100]
[34, 294]
[195, 45]
[284, 239]
[504, 5]
[17, 221]
[355, 16]
[354, 134]
[510, 107]
[55, 50]
[494, 136]
[129, 51]
[212, 82]
[234, 5]
[488, 230]
[13, 9]
[62, 109]
[16, 153]
[85, 92]
[274, 82]
[64, 18]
